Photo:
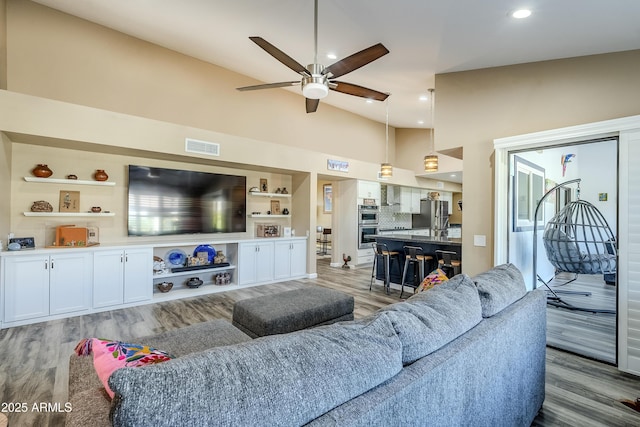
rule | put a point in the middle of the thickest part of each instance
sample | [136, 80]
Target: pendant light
[431, 160]
[386, 170]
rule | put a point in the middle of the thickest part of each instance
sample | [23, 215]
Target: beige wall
[54, 55]
[5, 185]
[498, 102]
[411, 147]
[112, 229]
[3, 44]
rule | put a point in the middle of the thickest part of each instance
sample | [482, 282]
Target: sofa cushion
[435, 278]
[428, 320]
[275, 380]
[499, 287]
[108, 356]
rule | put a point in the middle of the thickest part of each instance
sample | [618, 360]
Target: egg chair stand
[577, 240]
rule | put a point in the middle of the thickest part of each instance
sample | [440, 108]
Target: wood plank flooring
[34, 358]
[588, 334]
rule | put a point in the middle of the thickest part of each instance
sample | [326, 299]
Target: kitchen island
[429, 245]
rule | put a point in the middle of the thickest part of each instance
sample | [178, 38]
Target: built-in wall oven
[368, 219]
[365, 235]
[368, 214]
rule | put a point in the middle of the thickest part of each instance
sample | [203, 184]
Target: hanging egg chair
[578, 240]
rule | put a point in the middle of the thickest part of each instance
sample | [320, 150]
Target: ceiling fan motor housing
[316, 85]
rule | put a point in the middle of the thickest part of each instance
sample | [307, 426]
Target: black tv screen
[170, 201]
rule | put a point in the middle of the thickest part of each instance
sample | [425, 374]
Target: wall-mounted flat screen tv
[170, 201]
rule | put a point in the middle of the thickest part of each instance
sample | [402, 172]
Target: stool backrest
[380, 248]
[413, 251]
[445, 257]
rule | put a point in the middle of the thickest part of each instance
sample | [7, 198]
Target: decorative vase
[285, 211]
[165, 286]
[96, 209]
[72, 176]
[100, 175]
[42, 171]
[194, 282]
[284, 190]
[41, 206]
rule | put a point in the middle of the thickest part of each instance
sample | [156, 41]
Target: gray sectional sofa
[467, 352]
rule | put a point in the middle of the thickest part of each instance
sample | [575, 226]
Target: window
[529, 180]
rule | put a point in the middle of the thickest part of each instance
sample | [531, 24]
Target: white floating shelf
[69, 181]
[268, 216]
[256, 193]
[67, 214]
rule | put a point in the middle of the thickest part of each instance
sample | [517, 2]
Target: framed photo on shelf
[69, 201]
[275, 207]
[263, 185]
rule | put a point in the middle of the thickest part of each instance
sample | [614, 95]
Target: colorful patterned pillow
[436, 277]
[109, 356]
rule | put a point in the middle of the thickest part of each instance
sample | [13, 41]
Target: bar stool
[449, 262]
[381, 252]
[415, 257]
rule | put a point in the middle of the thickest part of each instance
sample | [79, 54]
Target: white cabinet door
[255, 263]
[447, 196]
[298, 258]
[369, 190]
[282, 260]
[108, 278]
[416, 194]
[70, 277]
[138, 274]
[405, 199]
[290, 259]
[264, 262]
[26, 287]
[246, 263]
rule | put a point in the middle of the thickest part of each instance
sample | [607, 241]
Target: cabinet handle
[52, 264]
[46, 265]
[121, 258]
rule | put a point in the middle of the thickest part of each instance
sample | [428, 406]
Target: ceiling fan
[316, 79]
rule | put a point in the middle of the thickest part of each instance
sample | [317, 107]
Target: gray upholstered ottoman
[291, 311]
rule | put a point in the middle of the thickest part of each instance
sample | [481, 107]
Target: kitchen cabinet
[42, 285]
[408, 199]
[122, 276]
[290, 259]
[368, 190]
[255, 262]
[447, 196]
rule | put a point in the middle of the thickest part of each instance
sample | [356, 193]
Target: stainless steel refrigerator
[434, 214]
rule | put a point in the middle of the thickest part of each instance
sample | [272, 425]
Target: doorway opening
[532, 173]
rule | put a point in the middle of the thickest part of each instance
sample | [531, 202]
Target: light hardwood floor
[589, 334]
[34, 358]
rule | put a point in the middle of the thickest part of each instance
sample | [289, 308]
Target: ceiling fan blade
[280, 55]
[269, 86]
[356, 60]
[351, 89]
[312, 105]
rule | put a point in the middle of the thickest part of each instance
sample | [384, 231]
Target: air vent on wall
[201, 147]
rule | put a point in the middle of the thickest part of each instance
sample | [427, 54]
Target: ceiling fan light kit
[318, 80]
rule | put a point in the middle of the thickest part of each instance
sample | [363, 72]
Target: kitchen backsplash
[390, 220]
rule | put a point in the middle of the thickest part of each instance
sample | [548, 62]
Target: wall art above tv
[171, 201]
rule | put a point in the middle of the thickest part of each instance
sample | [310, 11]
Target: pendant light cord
[387, 130]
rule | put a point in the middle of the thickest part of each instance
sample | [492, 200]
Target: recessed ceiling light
[420, 122]
[453, 175]
[521, 13]
[423, 97]
[369, 101]
[332, 55]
